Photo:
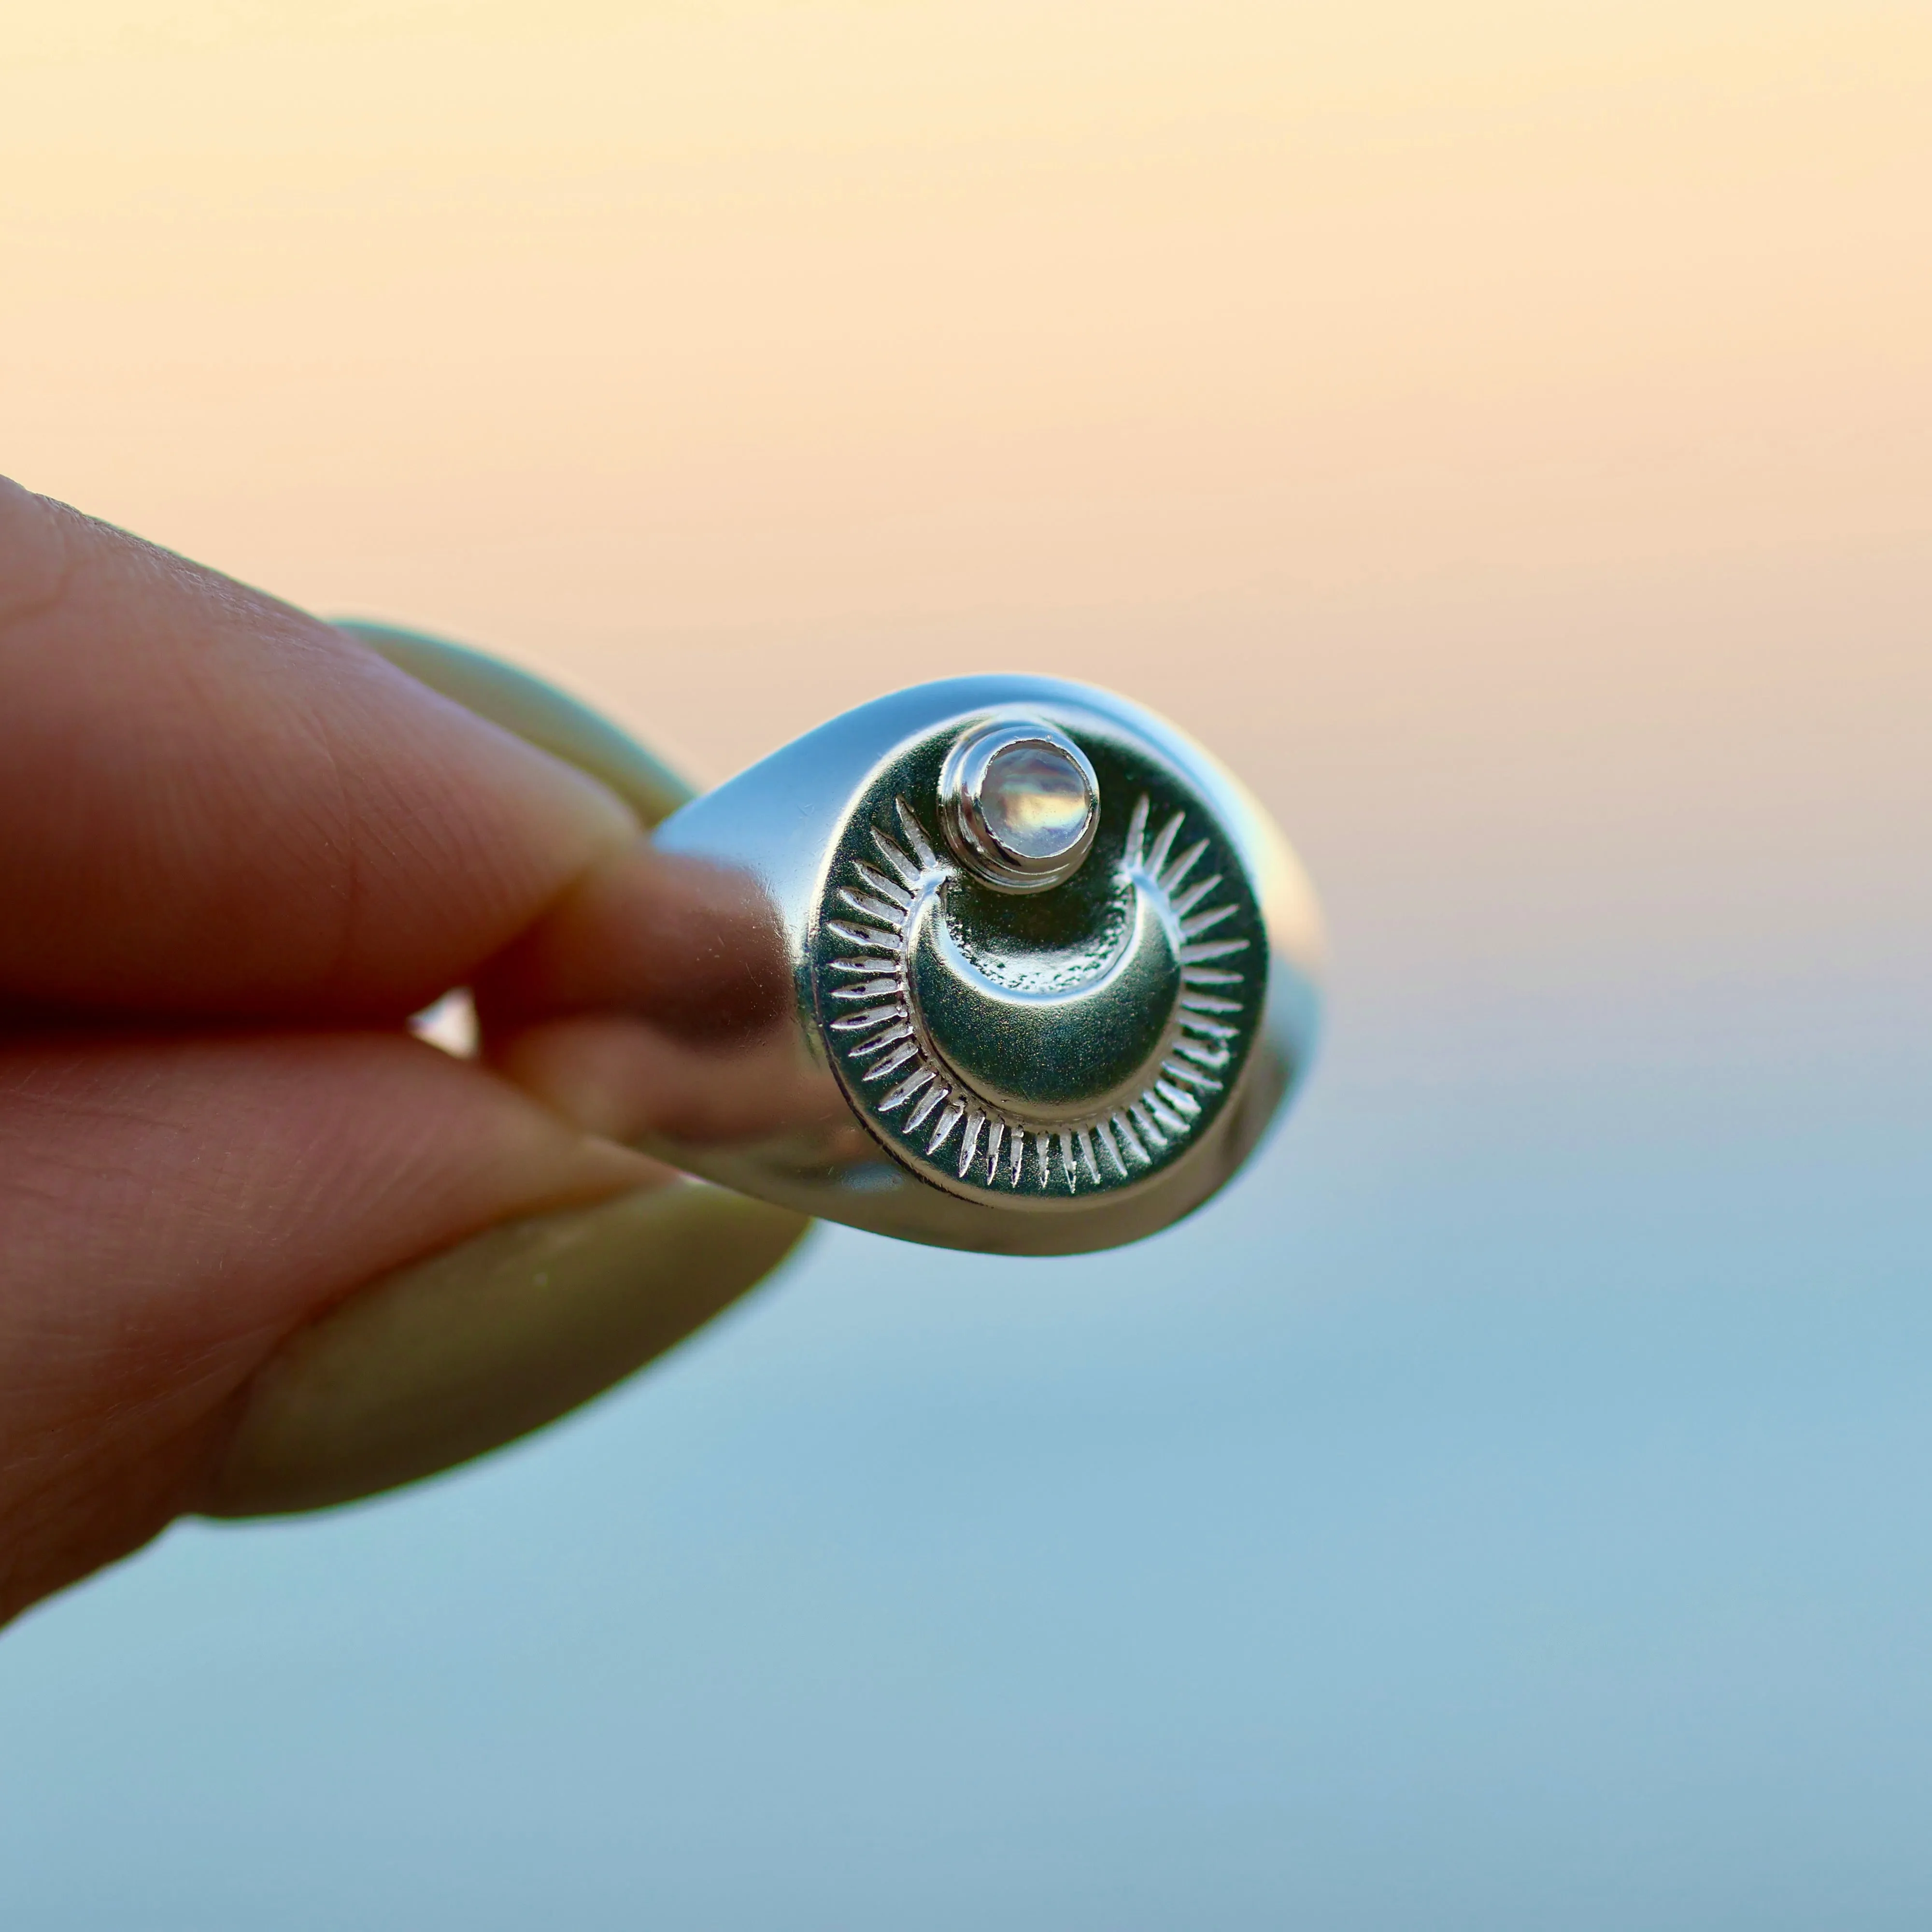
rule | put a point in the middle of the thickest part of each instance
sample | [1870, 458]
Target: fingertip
[182, 756]
[35, 557]
[530, 708]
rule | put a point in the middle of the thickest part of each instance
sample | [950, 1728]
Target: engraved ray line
[867, 936]
[1212, 949]
[1157, 858]
[858, 1022]
[923, 1077]
[969, 1141]
[1183, 1103]
[916, 836]
[1213, 1029]
[908, 872]
[883, 887]
[1193, 928]
[896, 1058]
[873, 908]
[867, 1048]
[1171, 879]
[956, 1112]
[1187, 900]
[1203, 1053]
[1191, 1076]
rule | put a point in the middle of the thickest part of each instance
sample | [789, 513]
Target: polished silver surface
[998, 963]
[1031, 974]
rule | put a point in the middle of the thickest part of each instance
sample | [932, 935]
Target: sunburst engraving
[948, 1053]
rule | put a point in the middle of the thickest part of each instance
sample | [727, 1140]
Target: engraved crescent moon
[1059, 1052]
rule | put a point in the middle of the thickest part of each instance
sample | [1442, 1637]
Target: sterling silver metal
[998, 963]
[1042, 1022]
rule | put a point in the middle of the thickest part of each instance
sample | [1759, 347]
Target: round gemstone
[1033, 799]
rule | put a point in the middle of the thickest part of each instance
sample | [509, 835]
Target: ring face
[1067, 1037]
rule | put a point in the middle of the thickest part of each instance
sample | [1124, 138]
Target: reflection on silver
[1042, 973]
[1019, 803]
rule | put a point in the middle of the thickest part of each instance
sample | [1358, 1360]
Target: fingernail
[533, 710]
[458, 1355]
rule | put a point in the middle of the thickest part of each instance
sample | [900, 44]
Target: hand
[265, 1250]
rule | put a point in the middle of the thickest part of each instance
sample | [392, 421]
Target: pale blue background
[1509, 1509]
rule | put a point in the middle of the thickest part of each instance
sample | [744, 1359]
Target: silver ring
[1052, 973]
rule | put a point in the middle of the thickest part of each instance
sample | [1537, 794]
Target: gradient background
[1505, 431]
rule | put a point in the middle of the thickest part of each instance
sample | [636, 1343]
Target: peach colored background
[1504, 431]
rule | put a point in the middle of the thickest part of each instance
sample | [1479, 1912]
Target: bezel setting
[964, 819]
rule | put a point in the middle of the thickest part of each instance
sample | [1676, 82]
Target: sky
[1504, 433]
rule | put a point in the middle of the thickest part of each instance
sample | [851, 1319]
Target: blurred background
[1504, 430]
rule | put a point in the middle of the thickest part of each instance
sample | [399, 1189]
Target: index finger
[217, 805]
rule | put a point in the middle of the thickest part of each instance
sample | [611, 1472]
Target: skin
[263, 1249]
